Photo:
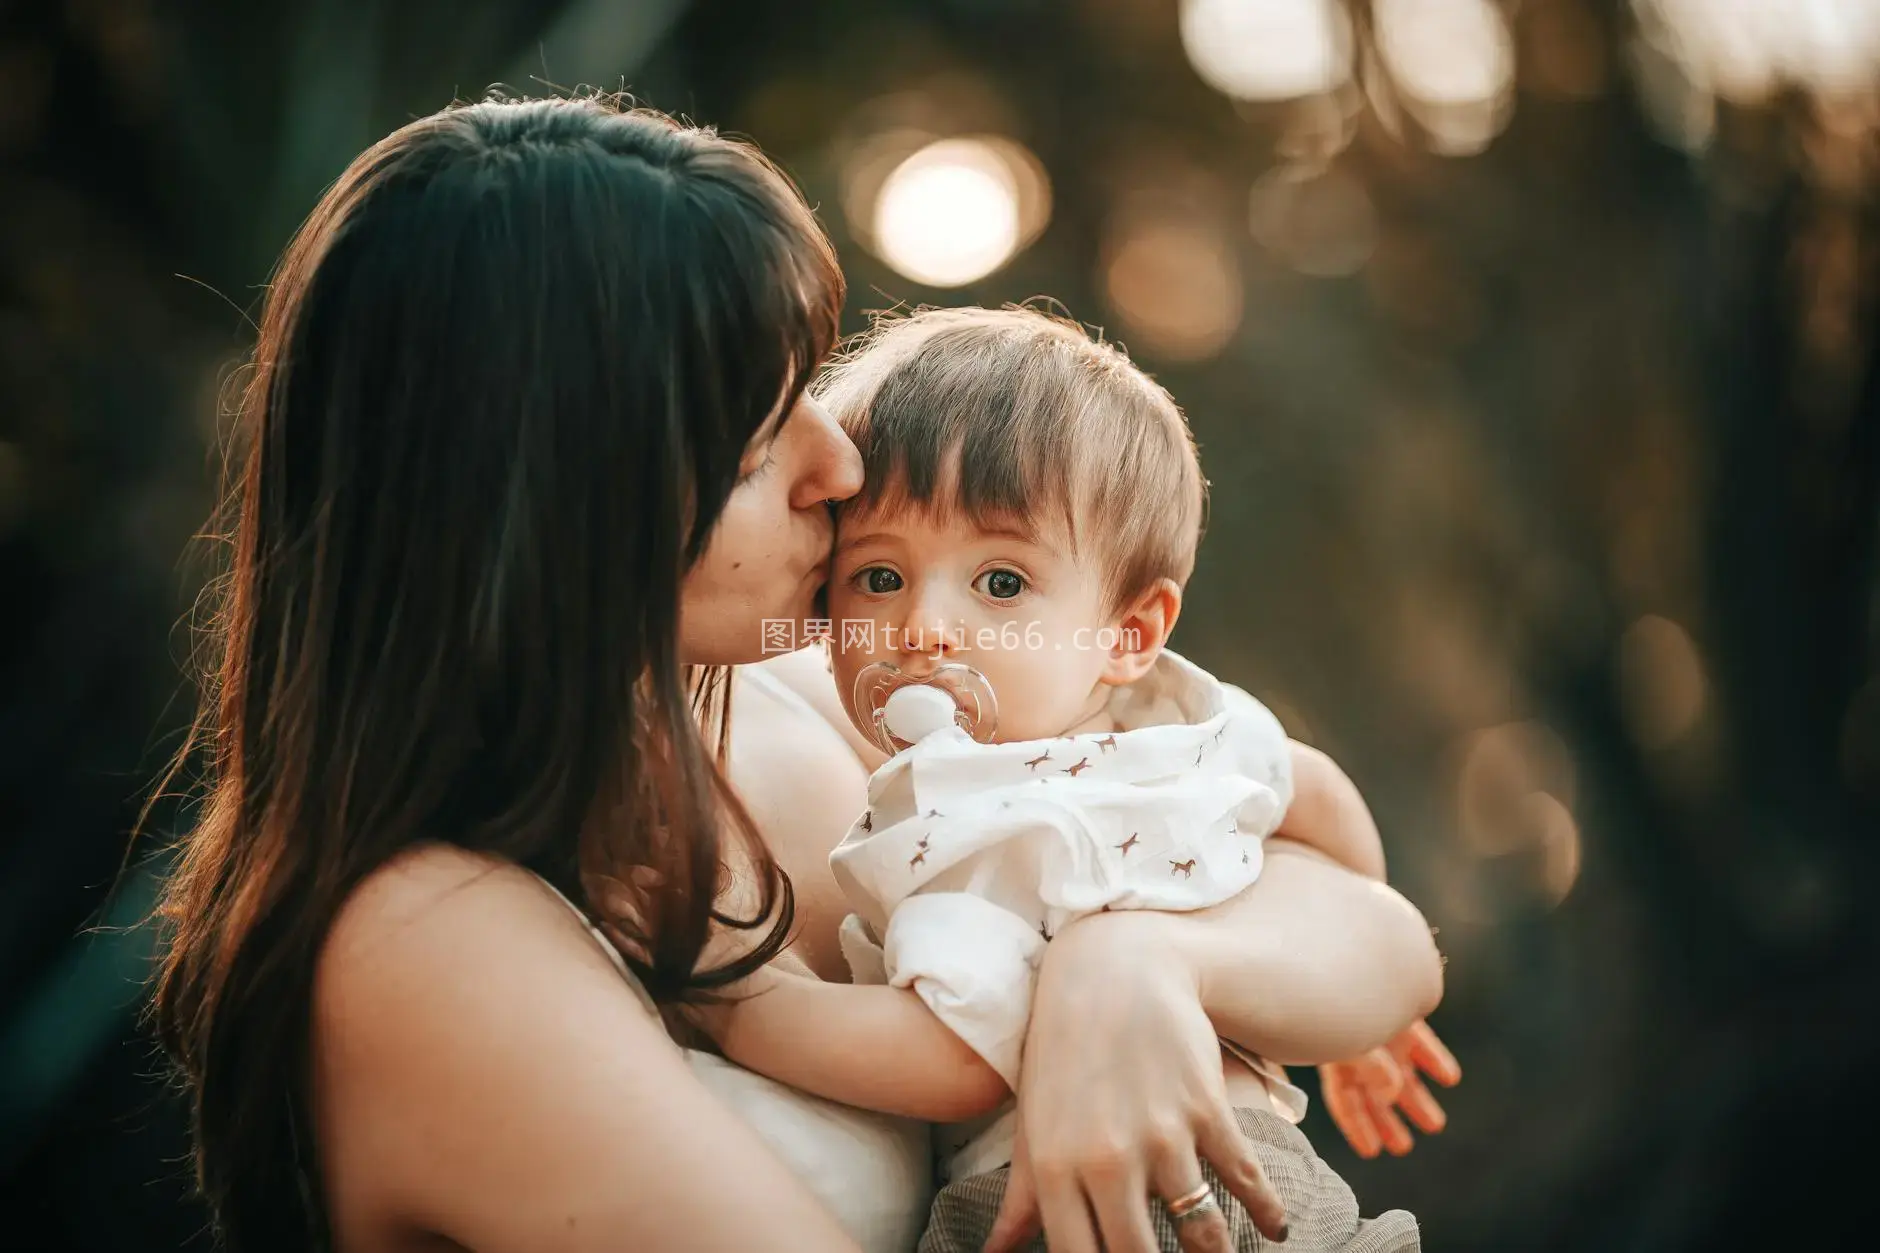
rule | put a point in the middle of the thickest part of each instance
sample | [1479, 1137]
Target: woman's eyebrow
[773, 425]
[778, 415]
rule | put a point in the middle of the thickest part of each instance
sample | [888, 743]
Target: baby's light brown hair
[1019, 417]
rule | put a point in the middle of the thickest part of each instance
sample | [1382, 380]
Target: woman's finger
[1118, 1188]
[1344, 1100]
[1390, 1128]
[1203, 1230]
[1018, 1219]
[1415, 1100]
[1424, 1051]
[1232, 1156]
[1063, 1210]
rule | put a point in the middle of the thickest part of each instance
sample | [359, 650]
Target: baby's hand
[1363, 1095]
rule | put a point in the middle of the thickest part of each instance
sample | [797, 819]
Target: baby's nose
[932, 636]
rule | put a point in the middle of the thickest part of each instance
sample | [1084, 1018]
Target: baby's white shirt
[971, 856]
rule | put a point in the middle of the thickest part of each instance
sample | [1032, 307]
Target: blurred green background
[1531, 347]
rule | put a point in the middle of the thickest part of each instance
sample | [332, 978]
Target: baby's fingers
[1423, 1050]
[1395, 1135]
[1350, 1111]
[1381, 1075]
[1416, 1101]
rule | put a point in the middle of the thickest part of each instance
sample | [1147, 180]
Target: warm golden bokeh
[1532, 348]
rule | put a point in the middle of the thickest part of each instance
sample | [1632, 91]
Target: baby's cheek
[842, 607]
[855, 637]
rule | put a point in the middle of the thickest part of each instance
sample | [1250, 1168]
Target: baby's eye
[1000, 584]
[878, 580]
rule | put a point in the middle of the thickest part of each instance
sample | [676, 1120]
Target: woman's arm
[484, 1074]
[1311, 964]
[1122, 1089]
[875, 1047]
[1122, 1082]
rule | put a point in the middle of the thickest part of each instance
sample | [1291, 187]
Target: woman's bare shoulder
[804, 784]
[426, 996]
[805, 674]
[442, 934]
[786, 752]
[441, 903]
[484, 1073]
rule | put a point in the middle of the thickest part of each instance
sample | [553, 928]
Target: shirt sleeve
[1262, 746]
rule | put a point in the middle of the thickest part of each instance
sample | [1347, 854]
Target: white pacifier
[901, 710]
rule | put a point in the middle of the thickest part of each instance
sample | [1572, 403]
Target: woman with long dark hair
[525, 462]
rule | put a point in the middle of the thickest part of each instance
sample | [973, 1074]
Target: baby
[1031, 511]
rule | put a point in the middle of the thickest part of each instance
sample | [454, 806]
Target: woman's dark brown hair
[505, 376]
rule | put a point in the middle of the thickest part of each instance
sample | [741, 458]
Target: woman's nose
[832, 465]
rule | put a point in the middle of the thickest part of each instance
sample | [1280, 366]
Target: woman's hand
[1364, 1095]
[1121, 1097]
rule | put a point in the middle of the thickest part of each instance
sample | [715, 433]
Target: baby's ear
[1141, 632]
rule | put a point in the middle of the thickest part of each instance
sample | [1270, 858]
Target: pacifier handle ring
[975, 705]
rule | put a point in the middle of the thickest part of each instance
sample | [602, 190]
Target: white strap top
[873, 1171]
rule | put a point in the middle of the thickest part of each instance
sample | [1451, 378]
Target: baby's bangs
[996, 479]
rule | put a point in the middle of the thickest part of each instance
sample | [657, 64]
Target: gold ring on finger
[1192, 1204]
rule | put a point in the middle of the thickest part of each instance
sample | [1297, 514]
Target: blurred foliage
[1546, 492]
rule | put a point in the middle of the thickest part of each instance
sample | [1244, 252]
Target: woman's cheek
[747, 539]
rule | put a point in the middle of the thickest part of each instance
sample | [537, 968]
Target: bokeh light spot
[1503, 768]
[1267, 49]
[1176, 286]
[1558, 837]
[1452, 63]
[1661, 681]
[1321, 224]
[949, 214]
[1742, 49]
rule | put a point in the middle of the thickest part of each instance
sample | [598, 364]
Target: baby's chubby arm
[1323, 808]
[872, 1046]
[1328, 814]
